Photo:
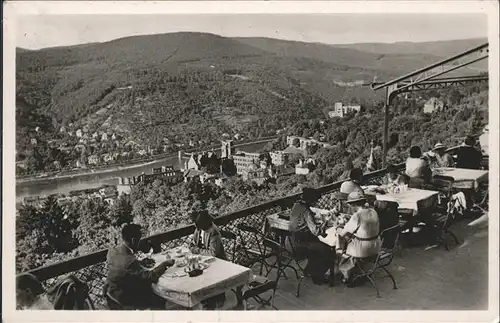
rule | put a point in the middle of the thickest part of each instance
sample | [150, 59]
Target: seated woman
[392, 177]
[359, 238]
[354, 182]
[207, 241]
[304, 239]
[30, 294]
[417, 168]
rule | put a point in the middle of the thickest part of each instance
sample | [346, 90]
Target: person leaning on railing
[129, 283]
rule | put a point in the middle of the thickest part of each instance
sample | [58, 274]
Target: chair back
[70, 293]
[416, 182]
[388, 217]
[390, 237]
[443, 184]
[250, 239]
[232, 243]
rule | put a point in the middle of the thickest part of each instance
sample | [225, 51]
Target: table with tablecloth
[463, 178]
[219, 277]
[410, 198]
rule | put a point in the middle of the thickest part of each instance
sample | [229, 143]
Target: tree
[55, 226]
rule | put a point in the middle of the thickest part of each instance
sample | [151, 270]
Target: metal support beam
[418, 73]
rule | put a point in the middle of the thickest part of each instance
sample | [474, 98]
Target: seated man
[129, 284]
[30, 294]
[468, 156]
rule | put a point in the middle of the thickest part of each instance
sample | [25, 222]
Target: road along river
[65, 184]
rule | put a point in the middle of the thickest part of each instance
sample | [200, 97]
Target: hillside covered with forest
[182, 87]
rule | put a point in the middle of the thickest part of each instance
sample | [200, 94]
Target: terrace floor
[433, 279]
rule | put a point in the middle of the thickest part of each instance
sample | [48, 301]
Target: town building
[340, 110]
[258, 176]
[433, 105]
[227, 148]
[93, 160]
[104, 137]
[194, 162]
[304, 167]
[79, 133]
[192, 175]
[278, 158]
[305, 142]
[246, 161]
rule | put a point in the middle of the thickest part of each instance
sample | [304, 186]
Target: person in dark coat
[304, 238]
[129, 283]
[468, 156]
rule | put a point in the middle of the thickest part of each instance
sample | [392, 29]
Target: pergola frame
[426, 79]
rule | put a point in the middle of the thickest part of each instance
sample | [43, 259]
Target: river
[78, 182]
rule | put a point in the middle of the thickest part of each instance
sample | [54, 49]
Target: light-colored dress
[365, 226]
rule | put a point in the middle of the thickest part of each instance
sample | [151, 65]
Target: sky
[40, 31]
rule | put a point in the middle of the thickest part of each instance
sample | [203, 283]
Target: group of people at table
[360, 237]
[129, 283]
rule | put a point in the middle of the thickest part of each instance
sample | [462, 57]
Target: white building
[278, 158]
[79, 133]
[433, 105]
[340, 110]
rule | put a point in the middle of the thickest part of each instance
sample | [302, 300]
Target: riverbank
[115, 168]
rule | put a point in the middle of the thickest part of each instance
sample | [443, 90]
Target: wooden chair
[384, 258]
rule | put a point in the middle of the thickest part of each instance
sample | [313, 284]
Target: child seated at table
[207, 241]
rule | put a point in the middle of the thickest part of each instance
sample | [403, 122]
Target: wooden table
[189, 292]
[463, 178]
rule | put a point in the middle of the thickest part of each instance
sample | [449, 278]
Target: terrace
[427, 279]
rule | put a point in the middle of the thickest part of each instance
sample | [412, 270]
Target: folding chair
[252, 248]
[381, 261]
[441, 223]
[444, 185]
[260, 285]
[232, 243]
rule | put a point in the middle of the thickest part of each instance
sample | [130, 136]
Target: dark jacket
[388, 216]
[469, 157]
[212, 245]
[128, 282]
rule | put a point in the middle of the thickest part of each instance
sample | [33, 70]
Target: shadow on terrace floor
[433, 279]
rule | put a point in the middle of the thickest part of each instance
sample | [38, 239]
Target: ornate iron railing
[92, 269]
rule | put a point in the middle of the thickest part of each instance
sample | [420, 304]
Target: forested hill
[197, 86]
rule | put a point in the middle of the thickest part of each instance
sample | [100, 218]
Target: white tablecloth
[331, 238]
[412, 198]
[464, 177]
[187, 291]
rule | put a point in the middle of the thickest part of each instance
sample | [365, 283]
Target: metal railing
[91, 268]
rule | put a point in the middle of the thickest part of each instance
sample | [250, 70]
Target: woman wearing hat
[304, 238]
[441, 157]
[360, 236]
